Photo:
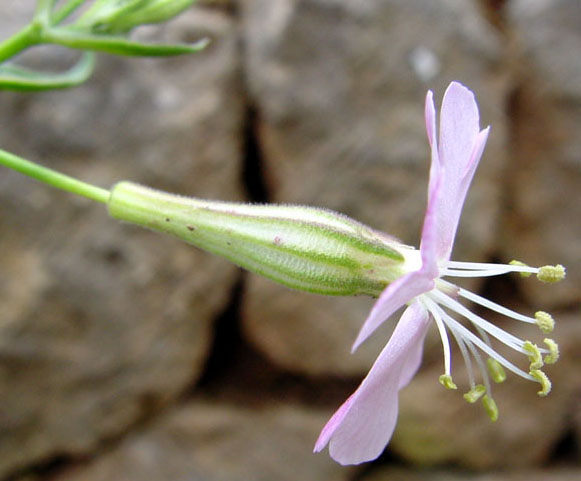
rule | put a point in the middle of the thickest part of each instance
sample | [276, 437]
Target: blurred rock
[543, 224]
[339, 92]
[438, 427]
[401, 474]
[209, 441]
[102, 323]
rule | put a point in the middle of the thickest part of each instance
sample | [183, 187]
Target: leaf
[118, 45]
[15, 77]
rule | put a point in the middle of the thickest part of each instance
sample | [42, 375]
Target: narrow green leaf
[118, 45]
[15, 77]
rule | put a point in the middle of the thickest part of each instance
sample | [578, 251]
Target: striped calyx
[304, 248]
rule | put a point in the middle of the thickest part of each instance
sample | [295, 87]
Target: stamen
[447, 382]
[520, 264]
[542, 378]
[503, 336]
[493, 306]
[545, 321]
[470, 336]
[451, 272]
[553, 355]
[496, 370]
[551, 273]
[433, 308]
[465, 355]
[475, 393]
[534, 355]
[483, 269]
[490, 407]
[481, 367]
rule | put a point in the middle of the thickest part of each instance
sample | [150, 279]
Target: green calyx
[304, 248]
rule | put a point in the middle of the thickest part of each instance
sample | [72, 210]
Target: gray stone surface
[339, 90]
[402, 474]
[102, 324]
[543, 224]
[212, 441]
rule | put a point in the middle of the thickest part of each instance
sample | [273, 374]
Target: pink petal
[430, 117]
[460, 141]
[395, 296]
[364, 424]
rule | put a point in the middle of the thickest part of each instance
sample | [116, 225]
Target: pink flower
[364, 424]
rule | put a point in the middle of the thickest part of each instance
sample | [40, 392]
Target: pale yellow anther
[475, 393]
[520, 264]
[495, 370]
[551, 273]
[446, 381]
[534, 355]
[553, 355]
[542, 378]
[545, 321]
[490, 407]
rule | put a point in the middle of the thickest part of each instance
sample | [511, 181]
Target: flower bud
[304, 248]
[120, 16]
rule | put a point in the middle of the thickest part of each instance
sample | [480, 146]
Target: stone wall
[127, 355]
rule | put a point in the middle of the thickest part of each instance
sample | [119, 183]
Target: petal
[395, 296]
[430, 117]
[459, 126]
[460, 141]
[364, 424]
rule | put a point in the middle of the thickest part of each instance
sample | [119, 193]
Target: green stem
[63, 12]
[53, 178]
[20, 41]
[43, 9]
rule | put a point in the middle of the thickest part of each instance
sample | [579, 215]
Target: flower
[361, 428]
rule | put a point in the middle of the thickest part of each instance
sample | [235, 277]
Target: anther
[446, 381]
[520, 264]
[545, 321]
[475, 394]
[490, 407]
[495, 370]
[534, 355]
[542, 378]
[553, 355]
[551, 273]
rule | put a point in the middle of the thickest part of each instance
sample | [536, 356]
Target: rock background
[128, 355]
